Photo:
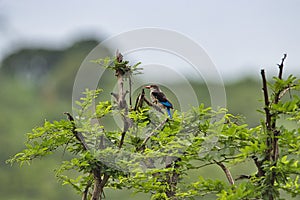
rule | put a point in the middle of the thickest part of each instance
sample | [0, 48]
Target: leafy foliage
[159, 154]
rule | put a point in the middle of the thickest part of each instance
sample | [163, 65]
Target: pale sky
[239, 36]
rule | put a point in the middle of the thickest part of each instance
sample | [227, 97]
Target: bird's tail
[169, 113]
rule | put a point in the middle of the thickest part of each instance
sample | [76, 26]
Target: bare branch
[104, 181]
[226, 171]
[86, 191]
[120, 98]
[281, 66]
[130, 92]
[156, 107]
[124, 94]
[116, 96]
[283, 92]
[272, 151]
[77, 134]
[266, 97]
[258, 164]
[242, 177]
[142, 98]
[97, 191]
[139, 100]
[119, 56]
[277, 98]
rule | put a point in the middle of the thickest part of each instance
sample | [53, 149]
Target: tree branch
[86, 191]
[258, 164]
[130, 92]
[172, 179]
[283, 92]
[152, 133]
[226, 171]
[242, 177]
[281, 66]
[156, 107]
[272, 152]
[77, 134]
[97, 191]
[120, 97]
[103, 183]
[98, 182]
[277, 95]
[139, 100]
[142, 98]
[266, 98]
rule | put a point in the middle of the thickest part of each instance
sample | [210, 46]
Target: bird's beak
[148, 87]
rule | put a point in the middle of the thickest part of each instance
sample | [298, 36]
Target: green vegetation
[198, 153]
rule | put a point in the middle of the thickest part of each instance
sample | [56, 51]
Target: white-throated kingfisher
[158, 96]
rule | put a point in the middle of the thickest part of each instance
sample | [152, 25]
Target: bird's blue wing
[166, 103]
[161, 97]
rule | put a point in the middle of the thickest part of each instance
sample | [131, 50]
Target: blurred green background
[36, 84]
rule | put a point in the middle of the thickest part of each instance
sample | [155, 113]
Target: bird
[158, 96]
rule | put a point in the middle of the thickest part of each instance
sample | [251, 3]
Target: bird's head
[152, 87]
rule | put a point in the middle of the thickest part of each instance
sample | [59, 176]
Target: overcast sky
[239, 36]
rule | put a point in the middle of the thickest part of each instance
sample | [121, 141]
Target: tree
[154, 154]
